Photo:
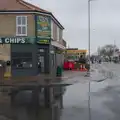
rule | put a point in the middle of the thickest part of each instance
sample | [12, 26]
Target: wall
[58, 37]
[8, 25]
[8, 29]
[59, 59]
[5, 52]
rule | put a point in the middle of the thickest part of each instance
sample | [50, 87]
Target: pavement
[97, 74]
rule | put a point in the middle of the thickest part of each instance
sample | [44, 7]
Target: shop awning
[56, 44]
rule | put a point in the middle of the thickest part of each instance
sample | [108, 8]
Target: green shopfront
[35, 53]
[43, 34]
[23, 56]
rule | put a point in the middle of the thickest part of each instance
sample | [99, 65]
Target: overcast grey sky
[105, 21]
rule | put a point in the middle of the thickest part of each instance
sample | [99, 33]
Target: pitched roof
[12, 5]
[31, 6]
[22, 5]
[18, 5]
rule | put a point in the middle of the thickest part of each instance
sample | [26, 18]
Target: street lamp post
[89, 44]
[89, 32]
[89, 52]
[89, 47]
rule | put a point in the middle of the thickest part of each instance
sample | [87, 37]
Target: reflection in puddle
[24, 109]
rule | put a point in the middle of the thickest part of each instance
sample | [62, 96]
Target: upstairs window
[52, 29]
[58, 32]
[21, 26]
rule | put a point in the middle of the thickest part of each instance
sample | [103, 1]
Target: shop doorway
[2, 70]
[43, 60]
[42, 64]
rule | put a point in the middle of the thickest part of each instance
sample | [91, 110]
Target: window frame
[21, 58]
[58, 34]
[21, 25]
[52, 33]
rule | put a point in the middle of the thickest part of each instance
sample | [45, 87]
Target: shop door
[43, 59]
[2, 70]
[42, 62]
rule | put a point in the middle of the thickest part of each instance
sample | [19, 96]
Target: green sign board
[43, 41]
[17, 40]
[44, 27]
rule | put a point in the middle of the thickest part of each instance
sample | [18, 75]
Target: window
[21, 26]
[52, 29]
[21, 60]
[58, 34]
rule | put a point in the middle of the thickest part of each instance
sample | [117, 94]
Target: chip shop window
[21, 60]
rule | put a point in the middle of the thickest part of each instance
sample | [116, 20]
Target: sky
[73, 15]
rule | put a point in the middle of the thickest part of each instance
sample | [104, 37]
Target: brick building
[38, 29]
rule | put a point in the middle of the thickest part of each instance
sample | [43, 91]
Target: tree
[108, 50]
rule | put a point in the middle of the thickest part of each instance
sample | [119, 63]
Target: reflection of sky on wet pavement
[105, 101]
[75, 94]
[75, 102]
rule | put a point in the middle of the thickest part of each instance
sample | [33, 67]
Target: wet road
[105, 101]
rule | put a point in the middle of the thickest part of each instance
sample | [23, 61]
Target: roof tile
[33, 7]
[18, 5]
[12, 5]
[21, 5]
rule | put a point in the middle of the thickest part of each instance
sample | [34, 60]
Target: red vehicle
[68, 65]
[72, 58]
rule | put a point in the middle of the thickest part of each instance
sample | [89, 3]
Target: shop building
[36, 37]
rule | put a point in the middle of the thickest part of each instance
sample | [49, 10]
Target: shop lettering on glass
[12, 40]
[16, 40]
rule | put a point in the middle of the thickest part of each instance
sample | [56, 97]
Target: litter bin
[59, 71]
